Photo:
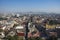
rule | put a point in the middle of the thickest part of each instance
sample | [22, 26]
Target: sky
[29, 5]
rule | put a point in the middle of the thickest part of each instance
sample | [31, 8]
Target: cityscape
[29, 19]
[38, 26]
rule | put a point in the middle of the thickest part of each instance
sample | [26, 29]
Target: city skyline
[30, 5]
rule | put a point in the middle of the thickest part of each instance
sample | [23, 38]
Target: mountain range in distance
[23, 13]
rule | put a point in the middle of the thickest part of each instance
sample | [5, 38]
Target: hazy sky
[30, 5]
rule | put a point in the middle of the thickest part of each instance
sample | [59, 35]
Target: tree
[52, 22]
[12, 37]
[33, 38]
[1, 30]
